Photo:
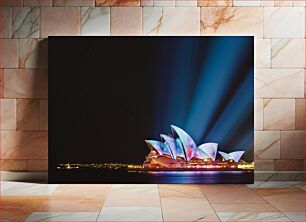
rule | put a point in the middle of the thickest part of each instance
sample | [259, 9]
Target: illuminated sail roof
[236, 156]
[210, 149]
[160, 147]
[182, 145]
[188, 143]
[171, 143]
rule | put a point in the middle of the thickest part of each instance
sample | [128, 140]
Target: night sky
[108, 94]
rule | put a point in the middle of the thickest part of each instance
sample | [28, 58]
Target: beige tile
[25, 83]
[126, 195]
[71, 204]
[248, 3]
[8, 114]
[285, 199]
[37, 2]
[27, 114]
[279, 114]
[8, 53]
[126, 21]
[258, 115]
[25, 22]
[146, 3]
[252, 216]
[186, 3]
[13, 165]
[283, 3]
[183, 191]
[187, 209]
[232, 21]
[289, 165]
[94, 191]
[43, 117]
[163, 3]
[95, 21]
[284, 50]
[300, 114]
[171, 21]
[230, 194]
[212, 3]
[284, 22]
[52, 16]
[299, 3]
[263, 207]
[130, 214]
[279, 83]
[292, 144]
[267, 145]
[37, 165]
[33, 53]
[118, 2]
[263, 53]
[267, 3]
[73, 2]
[10, 3]
[264, 165]
[5, 22]
[24, 145]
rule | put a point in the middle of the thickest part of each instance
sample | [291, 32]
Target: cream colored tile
[130, 214]
[288, 53]
[212, 3]
[95, 21]
[284, 22]
[246, 3]
[232, 21]
[263, 207]
[258, 115]
[300, 114]
[73, 2]
[264, 165]
[253, 216]
[279, 83]
[133, 196]
[126, 21]
[186, 3]
[279, 114]
[187, 209]
[267, 145]
[263, 53]
[183, 191]
[299, 3]
[230, 194]
[292, 144]
[162, 3]
[146, 2]
[267, 3]
[8, 114]
[283, 3]
[171, 21]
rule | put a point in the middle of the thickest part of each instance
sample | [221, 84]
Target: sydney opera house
[179, 151]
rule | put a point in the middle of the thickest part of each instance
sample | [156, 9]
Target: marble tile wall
[278, 27]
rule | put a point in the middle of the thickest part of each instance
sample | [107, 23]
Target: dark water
[159, 177]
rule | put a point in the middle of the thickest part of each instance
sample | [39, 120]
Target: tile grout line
[161, 209]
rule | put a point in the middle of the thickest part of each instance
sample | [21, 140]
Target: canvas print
[164, 109]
